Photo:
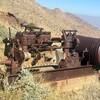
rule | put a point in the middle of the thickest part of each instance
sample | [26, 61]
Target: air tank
[92, 45]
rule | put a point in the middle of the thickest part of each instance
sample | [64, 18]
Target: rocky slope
[51, 20]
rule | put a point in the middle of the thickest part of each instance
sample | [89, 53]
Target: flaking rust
[54, 58]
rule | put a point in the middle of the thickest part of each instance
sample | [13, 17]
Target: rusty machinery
[34, 42]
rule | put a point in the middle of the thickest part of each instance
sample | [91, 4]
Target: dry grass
[27, 88]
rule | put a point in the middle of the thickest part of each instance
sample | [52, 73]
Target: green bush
[25, 89]
[3, 33]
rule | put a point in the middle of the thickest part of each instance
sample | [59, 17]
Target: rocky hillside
[51, 20]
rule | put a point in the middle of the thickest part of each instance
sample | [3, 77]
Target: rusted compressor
[37, 43]
[30, 42]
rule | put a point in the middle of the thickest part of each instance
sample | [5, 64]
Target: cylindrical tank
[92, 45]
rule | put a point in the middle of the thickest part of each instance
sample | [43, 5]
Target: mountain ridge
[51, 20]
[93, 20]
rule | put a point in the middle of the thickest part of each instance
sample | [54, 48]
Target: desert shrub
[26, 88]
[3, 32]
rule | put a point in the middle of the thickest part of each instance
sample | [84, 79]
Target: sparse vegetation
[27, 88]
[3, 32]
